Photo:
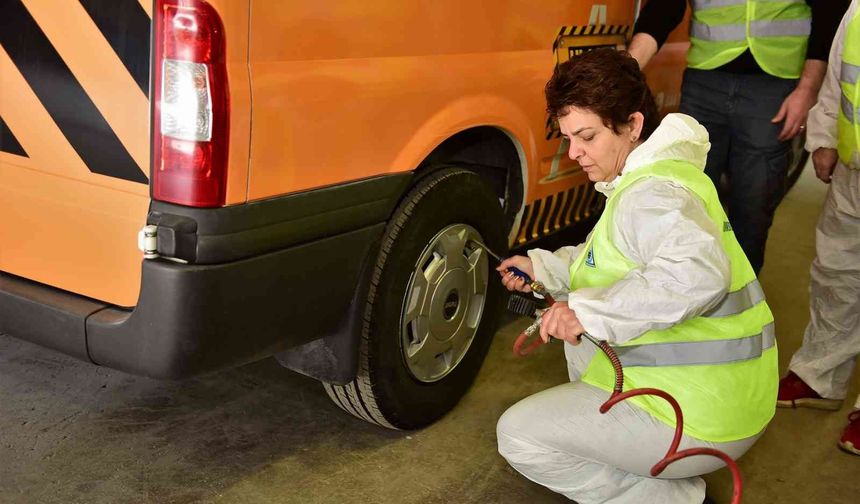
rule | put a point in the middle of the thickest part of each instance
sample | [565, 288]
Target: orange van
[187, 185]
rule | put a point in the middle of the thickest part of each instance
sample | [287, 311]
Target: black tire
[386, 392]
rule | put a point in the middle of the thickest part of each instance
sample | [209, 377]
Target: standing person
[663, 280]
[821, 369]
[754, 69]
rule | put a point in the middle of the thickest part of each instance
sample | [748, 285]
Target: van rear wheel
[433, 304]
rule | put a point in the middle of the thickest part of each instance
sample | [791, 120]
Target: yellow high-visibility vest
[722, 365]
[848, 123]
[775, 31]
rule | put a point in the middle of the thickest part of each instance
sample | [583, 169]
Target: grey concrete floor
[75, 433]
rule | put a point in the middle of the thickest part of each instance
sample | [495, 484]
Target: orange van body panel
[61, 224]
[147, 7]
[368, 89]
[235, 15]
[111, 87]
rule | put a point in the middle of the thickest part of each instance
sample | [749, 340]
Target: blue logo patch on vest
[589, 258]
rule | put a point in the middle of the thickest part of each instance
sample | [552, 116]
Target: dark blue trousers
[736, 110]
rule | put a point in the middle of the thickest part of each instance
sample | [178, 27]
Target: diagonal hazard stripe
[62, 95]
[8, 142]
[125, 25]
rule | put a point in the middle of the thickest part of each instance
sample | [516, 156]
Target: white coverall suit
[831, 341]
[557, 437]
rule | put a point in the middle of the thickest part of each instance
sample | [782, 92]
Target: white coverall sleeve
[821, 123]
[682, 268]
[552, 269]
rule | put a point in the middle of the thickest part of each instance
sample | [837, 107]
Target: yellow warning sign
[574, 40]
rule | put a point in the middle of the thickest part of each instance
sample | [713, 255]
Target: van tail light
[191, 98]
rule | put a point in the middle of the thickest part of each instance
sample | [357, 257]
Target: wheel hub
[444, 302]
[451, 305]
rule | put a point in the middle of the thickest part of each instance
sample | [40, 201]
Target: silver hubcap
[444, 302]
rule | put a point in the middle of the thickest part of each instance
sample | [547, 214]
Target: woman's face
[599, 151]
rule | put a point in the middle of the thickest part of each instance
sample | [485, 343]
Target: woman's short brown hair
[606, 82]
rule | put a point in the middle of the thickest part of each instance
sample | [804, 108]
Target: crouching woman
[663, 280]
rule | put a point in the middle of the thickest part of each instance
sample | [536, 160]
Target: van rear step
[45, 315]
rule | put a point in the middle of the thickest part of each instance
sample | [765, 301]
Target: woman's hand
[511, 281]
[560, 322]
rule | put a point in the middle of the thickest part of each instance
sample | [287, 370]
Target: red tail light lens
[191, 102]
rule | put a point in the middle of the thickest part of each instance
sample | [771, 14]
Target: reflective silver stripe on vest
[738, 301]
[792, 28]
[848, 109]
[713, 4]
[718, 33]
[849, 73]
[733, 32]
[698, 352]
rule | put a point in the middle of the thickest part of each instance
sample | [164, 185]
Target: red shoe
[850, 440]
[795, 393]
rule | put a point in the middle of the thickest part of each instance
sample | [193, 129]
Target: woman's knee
[512, 432]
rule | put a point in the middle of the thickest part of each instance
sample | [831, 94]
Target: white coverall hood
[679, 137]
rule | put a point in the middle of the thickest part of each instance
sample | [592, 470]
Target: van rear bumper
[293, 292]
[196, 318]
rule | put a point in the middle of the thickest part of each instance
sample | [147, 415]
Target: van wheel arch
[492, 153]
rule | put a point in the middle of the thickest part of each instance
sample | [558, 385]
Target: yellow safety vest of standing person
[775, 31]
[848, 124]
[720, 366]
